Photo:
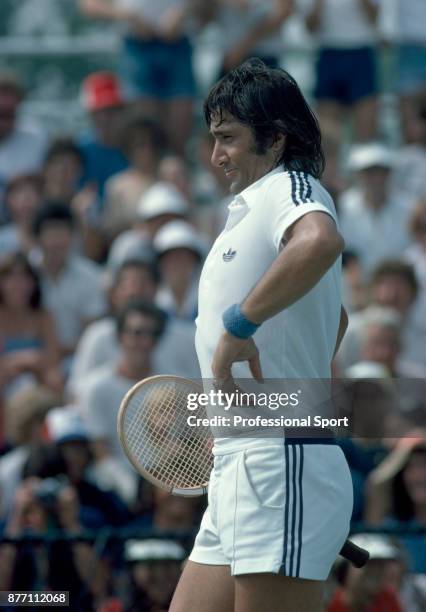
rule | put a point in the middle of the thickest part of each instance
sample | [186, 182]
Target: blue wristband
[237, 324]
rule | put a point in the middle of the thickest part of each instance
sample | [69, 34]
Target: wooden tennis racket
[163, 448]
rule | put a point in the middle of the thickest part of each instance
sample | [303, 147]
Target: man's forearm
[297, 269]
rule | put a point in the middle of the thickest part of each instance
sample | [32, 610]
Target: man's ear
[279, 142]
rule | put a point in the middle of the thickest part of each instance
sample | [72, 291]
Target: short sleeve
[291, 197]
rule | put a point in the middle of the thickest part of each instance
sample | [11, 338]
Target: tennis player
[269, 305]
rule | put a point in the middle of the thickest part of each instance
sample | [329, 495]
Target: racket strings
[159, 438]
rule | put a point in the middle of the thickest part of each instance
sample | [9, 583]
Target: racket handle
[355, 554]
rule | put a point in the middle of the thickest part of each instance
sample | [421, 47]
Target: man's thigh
[277, 593]
[204, 588]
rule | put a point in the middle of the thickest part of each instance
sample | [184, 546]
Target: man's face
[235, 152]
[394, 291]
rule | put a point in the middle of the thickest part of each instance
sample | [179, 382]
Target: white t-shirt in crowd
[75, 297]
[99, 402]
[150, 10]
[235, 21]
[175, 353]
[344, 24]
[404, 20]
[374, 235]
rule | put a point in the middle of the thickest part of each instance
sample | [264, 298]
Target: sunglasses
[140, 332]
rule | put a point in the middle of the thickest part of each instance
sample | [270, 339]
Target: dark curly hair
[269, 101]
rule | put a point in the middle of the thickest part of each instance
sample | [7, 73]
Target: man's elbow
[329, 244]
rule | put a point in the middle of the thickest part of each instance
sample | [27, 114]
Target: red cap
[101, 90]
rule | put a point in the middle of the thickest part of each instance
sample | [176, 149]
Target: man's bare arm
[312, 246]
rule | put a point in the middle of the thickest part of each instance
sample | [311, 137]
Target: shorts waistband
[309, 435]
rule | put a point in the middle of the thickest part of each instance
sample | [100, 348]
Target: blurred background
[108, 206]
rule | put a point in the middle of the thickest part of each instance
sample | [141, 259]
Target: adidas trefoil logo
[229, 255]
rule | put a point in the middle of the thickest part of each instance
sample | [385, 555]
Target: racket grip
[355, 554]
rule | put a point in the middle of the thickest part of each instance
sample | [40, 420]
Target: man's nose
[219, 156]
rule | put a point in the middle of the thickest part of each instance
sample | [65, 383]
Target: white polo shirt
[299, 341]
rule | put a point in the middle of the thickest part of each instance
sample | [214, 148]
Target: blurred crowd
[102, 237]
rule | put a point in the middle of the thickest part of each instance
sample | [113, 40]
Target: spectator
[103, 101]
[21, 147]
[143, 143]
[180, 251]
[65, 564]
[71, 448]
[29, 349]
[155, 64]
[160, 204]
[252, 28]
[24, 418]
[175, 350]
[355, 290]
[175, 170]
[23, 197]
[366, 589]
[368, 209]
[139, 326]
[155, 567]
[396, 494]
[380, 340]
[394, 286]
[71, 285]
[415, 255]
[346, 67]
[409, 176]
[63, 167]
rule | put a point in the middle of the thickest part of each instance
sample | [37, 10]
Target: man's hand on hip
[230, 350]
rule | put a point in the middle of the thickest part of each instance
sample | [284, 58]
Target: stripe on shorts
[293, 510]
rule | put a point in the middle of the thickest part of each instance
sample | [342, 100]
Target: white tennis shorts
[282, 508]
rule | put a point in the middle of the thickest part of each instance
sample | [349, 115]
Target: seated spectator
[415, 255]
[354, 288]
[29, 349]
[180, 250]
[139, 326]
[103, 100]
[158, 205]
[409, 176]
[396, 494]
[63, 166]
[24, 419]
[71, 284]
[65, 565]
[394, 286]
[23, 198]
[380, 340]
[72, 455]
[154, 570]
[175, 170]
[99, 345]
[21, 147]
[346, 80]
[143, 143]
[368, 589]
[369, 209]
[63, 169]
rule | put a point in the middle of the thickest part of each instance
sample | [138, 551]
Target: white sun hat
[162, 199]
[369, 155]
[179, 235]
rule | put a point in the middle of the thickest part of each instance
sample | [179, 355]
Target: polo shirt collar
[248, 196]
